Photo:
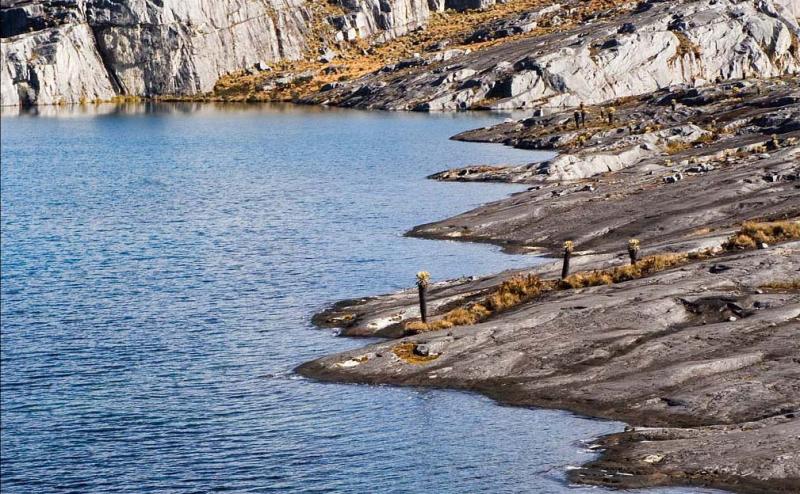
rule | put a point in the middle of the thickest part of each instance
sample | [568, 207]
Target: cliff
[428, 55]
[84, 50]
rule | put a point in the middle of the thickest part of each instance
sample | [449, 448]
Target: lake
[160, 265]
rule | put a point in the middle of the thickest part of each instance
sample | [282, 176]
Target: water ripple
[158, 275]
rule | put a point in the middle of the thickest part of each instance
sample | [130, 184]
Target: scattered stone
[703, 168]
[655, 458]
[674, 178]
[327, 57]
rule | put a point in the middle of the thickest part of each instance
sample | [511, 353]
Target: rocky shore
[701, 359]
[673, 122]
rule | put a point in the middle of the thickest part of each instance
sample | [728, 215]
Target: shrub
[754, 233]
[782, 286]
[523, 288]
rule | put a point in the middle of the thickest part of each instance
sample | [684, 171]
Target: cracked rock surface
[630, 50]
[718, 392]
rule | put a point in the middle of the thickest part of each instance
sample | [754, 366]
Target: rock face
[635, 51]
[83, 50]
[70, 51]
[67, 51]
[381, 19]
[182, 47]
[683, 182]
[55, 65]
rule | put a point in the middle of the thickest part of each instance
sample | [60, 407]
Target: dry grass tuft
[516, 290]
[675, 147]
[644, 267]
[405, 352]
[685, 47]
[705, 139]
[752, 234]
[523, 288]
[509, 294]
[782, 286]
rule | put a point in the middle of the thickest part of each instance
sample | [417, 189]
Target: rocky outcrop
[380, 19]
[54, 65]
[737, 159]
[140, 48]
[57, 51]
[635, 51]
[701, 361]
[182, 47]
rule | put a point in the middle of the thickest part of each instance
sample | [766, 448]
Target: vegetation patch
[508, 295]
[405, 352]
[644, 267]
[675, 147]
[705, 139]
[782, 286]
[757, 234]
[523, 288]
[685, 47]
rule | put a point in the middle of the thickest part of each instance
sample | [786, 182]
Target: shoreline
[700, 358]
[621, 453]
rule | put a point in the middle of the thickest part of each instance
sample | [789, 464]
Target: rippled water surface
[159, 269]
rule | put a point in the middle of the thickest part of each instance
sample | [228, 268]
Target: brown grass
[509, 294]
[675, 147]
[705, 139]
[516, 290]
[782, 286]
[523, 288]
[359, 58]
[405, 352]
[752, 234]
[644, 267]
[685, 47]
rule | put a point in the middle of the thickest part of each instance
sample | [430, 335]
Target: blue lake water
[160, 265]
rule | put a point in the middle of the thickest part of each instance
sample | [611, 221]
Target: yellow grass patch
[675, 147]
[405, 352]
[523, 288]
[754, 233]
[359, 57]
[644, 267]
[782, 286]
[509, 294]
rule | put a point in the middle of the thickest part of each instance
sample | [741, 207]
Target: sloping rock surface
[648, 46]
[704, 359]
